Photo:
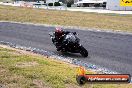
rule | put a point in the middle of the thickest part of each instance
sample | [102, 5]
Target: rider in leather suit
[59, 38]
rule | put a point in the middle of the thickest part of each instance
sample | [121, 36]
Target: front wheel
[83, 51]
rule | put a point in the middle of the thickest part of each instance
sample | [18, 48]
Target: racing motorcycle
[71, 44]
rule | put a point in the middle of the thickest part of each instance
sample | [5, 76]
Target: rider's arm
[66, 32]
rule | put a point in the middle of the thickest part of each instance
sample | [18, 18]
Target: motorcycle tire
[83, 51]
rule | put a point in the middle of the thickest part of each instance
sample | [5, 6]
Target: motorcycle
[71, 44]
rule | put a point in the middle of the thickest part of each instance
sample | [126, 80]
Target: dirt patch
[72, 86]
[16, 53]
[79, 86]
[2, 71]
[40, 84]
[26, 64]
[2, 86]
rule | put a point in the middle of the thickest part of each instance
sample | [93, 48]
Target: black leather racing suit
[59, 41]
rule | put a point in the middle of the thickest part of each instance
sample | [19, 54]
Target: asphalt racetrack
[106, 49]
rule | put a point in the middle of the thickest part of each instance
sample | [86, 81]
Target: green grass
[20, 70]
[67, 18]
[15, 74]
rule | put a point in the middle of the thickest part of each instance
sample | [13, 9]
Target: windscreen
[71, 38]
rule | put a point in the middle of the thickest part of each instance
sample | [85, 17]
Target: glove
[74, 33]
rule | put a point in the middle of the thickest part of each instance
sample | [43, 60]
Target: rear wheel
[83, 51]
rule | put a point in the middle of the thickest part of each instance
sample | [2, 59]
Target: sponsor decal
[125, 2]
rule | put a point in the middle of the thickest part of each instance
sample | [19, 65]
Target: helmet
[58, 32]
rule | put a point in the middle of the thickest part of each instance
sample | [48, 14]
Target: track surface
[109, 50]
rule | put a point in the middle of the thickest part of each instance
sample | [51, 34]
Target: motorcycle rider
[59, 38]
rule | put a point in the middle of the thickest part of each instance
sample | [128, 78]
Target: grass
[6, 0]
[67, 18]
[22, 70]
